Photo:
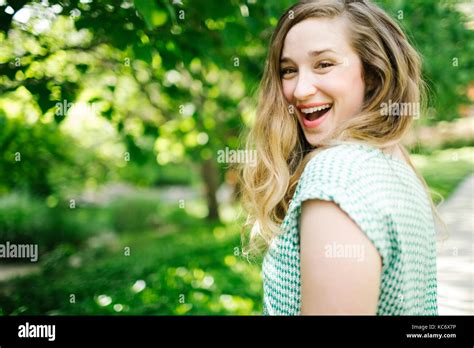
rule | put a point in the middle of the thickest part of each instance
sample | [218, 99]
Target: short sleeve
[344, 176]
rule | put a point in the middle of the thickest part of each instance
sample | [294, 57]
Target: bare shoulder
[338, 263]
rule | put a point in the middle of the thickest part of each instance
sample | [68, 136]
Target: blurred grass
[28, 220]
[193, 271]
[444, 169]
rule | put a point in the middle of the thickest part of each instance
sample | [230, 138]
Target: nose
[305, 87]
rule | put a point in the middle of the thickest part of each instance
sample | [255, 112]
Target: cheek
[288, 89]
[358, 86]
[358, 82]
[350, 91]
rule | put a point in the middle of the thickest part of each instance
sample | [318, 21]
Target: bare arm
[340, 267]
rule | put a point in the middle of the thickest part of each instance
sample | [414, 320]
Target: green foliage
[150, 174]
[153, 16]
[40, 159]
[28, 220]
[443, 170]
[439, 32]
[22, 219]
[195, 271]
[135, 213]
[29, 153]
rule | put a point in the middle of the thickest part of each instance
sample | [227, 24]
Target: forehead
[315, 34]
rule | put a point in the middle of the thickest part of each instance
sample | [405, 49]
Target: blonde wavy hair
[392, 72]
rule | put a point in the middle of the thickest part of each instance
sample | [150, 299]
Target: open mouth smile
[314, 114]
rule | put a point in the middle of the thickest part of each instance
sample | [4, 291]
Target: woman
[342, 217]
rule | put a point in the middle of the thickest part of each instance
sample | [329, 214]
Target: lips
[312, 105]
[312, 115]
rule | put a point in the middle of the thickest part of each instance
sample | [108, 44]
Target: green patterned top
[383, 195]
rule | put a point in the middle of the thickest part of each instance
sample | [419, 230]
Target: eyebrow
[310, 53]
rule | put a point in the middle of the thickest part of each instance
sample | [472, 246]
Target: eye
[324, 65]
[287, 71]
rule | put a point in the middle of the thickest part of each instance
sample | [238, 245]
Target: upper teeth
[316, 108]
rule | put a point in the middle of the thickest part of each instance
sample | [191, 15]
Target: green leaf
[152, 15]
[143, 52]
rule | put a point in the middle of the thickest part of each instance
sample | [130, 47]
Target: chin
[315, 140]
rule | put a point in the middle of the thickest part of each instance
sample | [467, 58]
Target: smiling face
[321, 76]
